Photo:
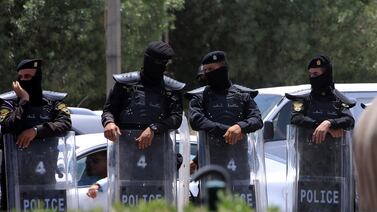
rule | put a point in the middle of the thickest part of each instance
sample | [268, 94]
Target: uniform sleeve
[298, 115]
[345, 121]
[10, 116]
[60, 124]
[113, 104]
[174, 118]
[199, 121]
[253, 121]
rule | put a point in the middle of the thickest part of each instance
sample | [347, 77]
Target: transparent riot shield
[141, 175]
[184, 171]
[319, 176]
[43, 175]
[244, 162]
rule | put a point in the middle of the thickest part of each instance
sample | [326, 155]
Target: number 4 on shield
[141, 162]
[40, 169]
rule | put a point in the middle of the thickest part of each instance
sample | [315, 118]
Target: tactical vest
[35, 115]
[323, 110]
[143, 106]
[225, 106]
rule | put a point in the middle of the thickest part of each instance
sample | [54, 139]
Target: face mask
[33, 87]
[218, 78]
[322, 82]
[153, 72]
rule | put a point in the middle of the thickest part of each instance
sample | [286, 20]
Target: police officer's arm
[113, 104]
[345, 121]
[174, 118]
[60, 124]
[10, 116]
[299, 118]
[253, 119]
[199, 121]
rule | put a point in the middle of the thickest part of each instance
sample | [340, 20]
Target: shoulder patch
[62, 107]
[297, 106]
[3, 113]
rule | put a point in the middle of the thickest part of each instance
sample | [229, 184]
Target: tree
[269, 42]
[69, 36]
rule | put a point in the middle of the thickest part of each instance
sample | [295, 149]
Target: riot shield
[141, 175]
[244, 162]
[43, 175]
[319, 176]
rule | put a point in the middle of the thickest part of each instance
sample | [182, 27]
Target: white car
[276, 113]
[89, 144]
[85, 121]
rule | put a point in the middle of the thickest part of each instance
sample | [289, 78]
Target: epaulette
[297, 97]
[346, 102]
[253, 93]
[51, 95]
[130, 78]
[133, 78]
[11, 95]
[54, 96]
[172, 84]
[190, 94]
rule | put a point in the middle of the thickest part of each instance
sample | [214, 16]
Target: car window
[92, 167]
[281, 120]
[266, 102]
[360, 97]
[193, 149]
[85, 124]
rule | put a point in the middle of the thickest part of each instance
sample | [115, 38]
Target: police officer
[145, 105]
[325, 109]
[30, 114]
[324, 159]
[122, 109]
[224, 113]
[209, 112]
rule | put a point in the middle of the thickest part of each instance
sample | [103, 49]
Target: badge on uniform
[3, 113]
[297, 106]
[63, 108]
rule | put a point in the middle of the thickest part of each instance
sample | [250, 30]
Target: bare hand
[320, 132]
[20, 92]
[233, 134]
[336, 133]
[112, 132]
[92, 192]
[26, 137]
[145, 139]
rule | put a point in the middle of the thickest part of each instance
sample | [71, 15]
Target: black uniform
[133, 104]
[48, 115]
[51, 119]
[137, 101]
[308, 112]
[323, 167]
[311, 110]
[214, 111]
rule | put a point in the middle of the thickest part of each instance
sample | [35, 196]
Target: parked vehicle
[86, 146]
[85, 121]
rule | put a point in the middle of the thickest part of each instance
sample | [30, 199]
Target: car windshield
[266, 102]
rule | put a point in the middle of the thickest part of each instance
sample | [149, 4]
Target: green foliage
[69, 36]
[269, 42]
